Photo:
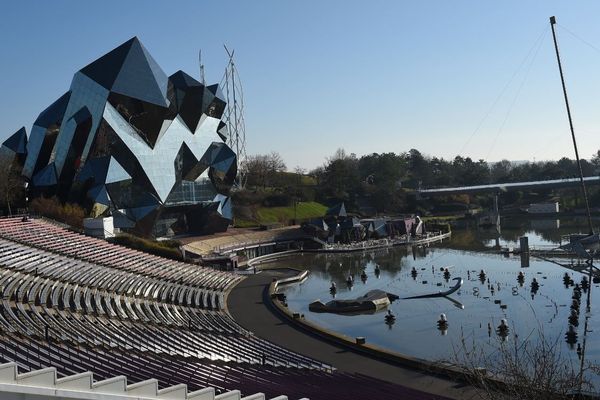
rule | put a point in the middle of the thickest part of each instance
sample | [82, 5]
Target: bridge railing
[508, 186]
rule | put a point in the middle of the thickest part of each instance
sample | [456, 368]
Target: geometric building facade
[130, 141]
[14, 149]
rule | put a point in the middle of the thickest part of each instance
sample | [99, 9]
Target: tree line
[385, 180]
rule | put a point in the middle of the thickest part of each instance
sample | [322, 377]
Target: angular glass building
[130, 141]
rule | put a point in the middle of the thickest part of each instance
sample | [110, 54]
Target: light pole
[26, 186]
[295, 210]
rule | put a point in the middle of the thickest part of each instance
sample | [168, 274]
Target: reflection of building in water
[543, 208]
[541, 224]
[419, 252]
[524, 260]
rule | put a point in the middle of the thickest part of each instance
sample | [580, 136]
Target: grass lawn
[265, 215]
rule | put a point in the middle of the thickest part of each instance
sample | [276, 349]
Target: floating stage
[370, 302]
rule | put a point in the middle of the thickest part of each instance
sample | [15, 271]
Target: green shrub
[278, 200]
[245, 223]
[248, 197]
[307, 194]
[167, 248]
[70, 214]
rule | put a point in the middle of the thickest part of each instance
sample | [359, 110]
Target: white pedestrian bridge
[510, 187]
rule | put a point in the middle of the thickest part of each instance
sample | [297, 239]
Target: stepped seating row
[30, 354]
[45, 382]
[81, 304]
[43, 235]
[19, 257]
[35, 305]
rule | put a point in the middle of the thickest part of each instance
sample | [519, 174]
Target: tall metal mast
[589, 261]
[202, 79]
[562, 79]
[234, 116]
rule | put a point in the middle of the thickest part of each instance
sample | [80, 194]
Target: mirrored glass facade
[128, 140]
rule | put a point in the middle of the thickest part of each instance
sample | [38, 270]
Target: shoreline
[251, 306]
[341, 248]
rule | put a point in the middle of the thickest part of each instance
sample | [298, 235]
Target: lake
[498, 295]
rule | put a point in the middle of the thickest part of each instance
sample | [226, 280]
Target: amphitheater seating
[81, 304]
[42, 235]
[31, 355]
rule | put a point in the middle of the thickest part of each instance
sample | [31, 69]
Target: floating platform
[371, 302]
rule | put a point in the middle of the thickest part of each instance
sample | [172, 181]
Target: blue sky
[372, 76]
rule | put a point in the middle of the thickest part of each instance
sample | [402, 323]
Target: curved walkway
[247, 306]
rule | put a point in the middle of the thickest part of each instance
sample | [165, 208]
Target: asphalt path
[247, 305]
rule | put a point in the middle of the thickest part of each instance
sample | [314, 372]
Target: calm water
[469, 251]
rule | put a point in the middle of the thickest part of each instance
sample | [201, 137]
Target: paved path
[246, 305]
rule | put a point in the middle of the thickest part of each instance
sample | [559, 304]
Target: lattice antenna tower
[234, 116]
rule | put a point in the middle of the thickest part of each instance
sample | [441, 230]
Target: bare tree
[11, 185]
[299, 170]
[261, 168]
[276, 163]
[595, 161]
[340, 154]
[523, 369]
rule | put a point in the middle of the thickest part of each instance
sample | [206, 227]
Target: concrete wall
[44, 384]
[99, 227]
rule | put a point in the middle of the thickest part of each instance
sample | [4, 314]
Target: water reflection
[390, 319]
[503, 329]
[442, 324]
[498, 299]
[468, 236]
[363, 277]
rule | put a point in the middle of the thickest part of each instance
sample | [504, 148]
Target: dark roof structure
[17, 142]
[131, 71]
[339, 210]
[14, 149]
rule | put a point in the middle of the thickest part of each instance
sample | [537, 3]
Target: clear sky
[475, 78]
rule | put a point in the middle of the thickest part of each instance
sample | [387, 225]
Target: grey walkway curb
[248, 306]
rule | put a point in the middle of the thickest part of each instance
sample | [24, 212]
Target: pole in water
[562, 80]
